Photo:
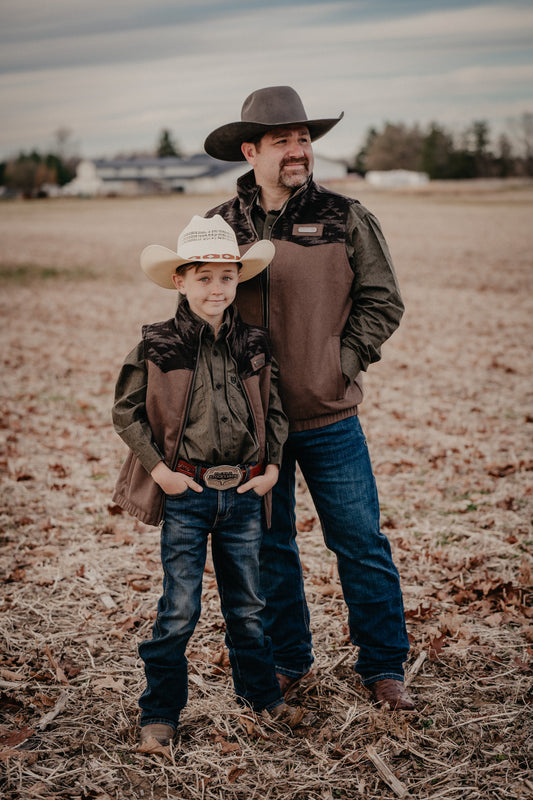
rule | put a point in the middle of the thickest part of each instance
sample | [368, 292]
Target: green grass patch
[29, 273]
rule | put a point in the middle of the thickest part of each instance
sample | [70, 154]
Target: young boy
[197, 404]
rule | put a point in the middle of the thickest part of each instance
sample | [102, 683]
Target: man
[329, 299]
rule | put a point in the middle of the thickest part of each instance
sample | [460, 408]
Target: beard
[292, 179]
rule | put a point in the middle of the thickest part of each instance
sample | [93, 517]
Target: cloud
[108, 33]
[189, 67]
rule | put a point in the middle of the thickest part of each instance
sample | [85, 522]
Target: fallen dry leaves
[449, 423]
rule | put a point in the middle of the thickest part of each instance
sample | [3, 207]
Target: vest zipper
[265, 275]
[189, 399]
[264, 278]
[249, 405]
[265, 282]
[245, 394]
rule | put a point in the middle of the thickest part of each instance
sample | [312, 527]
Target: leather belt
[223, 477]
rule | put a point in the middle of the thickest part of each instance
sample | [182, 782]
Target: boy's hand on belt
[261, 484]
[173, 482]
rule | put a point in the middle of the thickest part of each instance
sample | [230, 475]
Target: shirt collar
[224, 328]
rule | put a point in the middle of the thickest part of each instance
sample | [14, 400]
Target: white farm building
[198, 174]
[396, 178]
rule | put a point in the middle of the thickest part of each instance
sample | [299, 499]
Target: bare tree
[522, 133]
[63, 136]
[397, 147]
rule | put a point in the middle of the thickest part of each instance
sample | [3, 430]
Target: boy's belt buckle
[223, 477]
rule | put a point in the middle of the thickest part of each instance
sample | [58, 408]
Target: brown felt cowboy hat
[264, 109]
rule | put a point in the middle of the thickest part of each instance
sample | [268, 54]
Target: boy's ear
[179, 283]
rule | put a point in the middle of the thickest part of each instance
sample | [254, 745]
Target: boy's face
[210, 289]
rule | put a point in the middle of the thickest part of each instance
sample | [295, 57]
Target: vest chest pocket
[312, 229]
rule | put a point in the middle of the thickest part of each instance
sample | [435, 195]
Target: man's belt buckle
[224, 477]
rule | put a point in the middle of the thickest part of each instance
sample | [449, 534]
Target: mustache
[303, 161]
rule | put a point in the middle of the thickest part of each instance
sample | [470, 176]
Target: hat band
[214, 257]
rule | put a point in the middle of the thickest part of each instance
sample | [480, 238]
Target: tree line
[30, 174]
[445, 156]
[433, 150]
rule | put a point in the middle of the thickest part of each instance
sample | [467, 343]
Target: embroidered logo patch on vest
[309, 229]
[258, 361]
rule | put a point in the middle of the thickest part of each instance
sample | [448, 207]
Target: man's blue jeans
[335, 463]
[235, 523]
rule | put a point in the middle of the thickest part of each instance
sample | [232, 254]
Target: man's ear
[248, 151]
[179, 283]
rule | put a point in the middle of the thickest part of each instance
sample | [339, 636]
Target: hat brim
[225, 142]
[160, 263]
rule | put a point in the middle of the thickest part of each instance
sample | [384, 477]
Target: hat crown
[274, 105]
[209, 238]
[206, 239]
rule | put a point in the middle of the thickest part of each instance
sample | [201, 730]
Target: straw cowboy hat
[205, 240]
[262, 110]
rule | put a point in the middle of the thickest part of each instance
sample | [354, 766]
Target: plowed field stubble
[448, 414]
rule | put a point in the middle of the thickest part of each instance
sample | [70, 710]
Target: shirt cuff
[149, 456]
[350, 364]
[273, 455]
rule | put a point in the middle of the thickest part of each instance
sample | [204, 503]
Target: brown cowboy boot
[392, 693]
[289, 684]
[159, 731]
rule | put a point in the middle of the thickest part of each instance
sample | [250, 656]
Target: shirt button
[233, 379]
[215, 352]
[218, 386]
[223, 419]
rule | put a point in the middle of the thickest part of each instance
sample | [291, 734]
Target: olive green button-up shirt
[219, 427]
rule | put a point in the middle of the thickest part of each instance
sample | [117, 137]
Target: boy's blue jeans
[235, 523]
[335, 463]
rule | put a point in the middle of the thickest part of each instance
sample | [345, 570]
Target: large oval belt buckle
[224, 477]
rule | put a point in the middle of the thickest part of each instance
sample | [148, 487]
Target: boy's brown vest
[171, 351]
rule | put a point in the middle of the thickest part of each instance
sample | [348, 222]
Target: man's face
[283, 157]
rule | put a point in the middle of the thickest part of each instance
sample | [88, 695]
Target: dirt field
[449, 419]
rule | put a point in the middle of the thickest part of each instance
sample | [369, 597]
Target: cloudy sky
[116, 72]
